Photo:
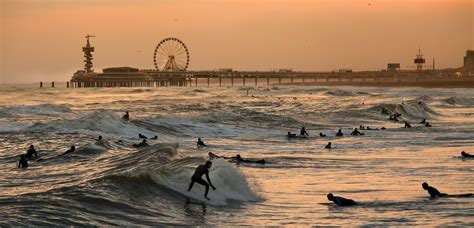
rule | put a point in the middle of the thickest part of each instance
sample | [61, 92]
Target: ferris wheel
[171, 54]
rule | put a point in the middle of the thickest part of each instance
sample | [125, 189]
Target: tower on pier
[88, 55]
[419, 60]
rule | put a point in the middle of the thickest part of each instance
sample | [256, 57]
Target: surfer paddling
[197, 177]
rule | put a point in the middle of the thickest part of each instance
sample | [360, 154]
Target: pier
[171, 70]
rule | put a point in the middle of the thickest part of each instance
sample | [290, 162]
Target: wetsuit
[197, 177]
[142, 144]
[200, 143]
[466, 155]
[69, 151]
[30, 153]
[339, 134]
[303, 132]
[328, 146]
[341, 201]
[434, 192]
[23, 163]
[126, 116]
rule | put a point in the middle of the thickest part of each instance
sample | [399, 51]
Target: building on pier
[173, 73]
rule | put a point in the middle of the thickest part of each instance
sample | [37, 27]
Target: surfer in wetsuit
[303, 132]
[339, 133]
[321, 134]
[407, 125]
[100, 138]
[142, 136]
[432, 191]
[427, 124]
[30, 152]
[291, 135]
[23, 163]
[142, 144]
[328, 146]
[239, 159]
[423, 121]
[356, 132]
[200, 143]
[340, 201]
[73, 148]
[126, 116]
[466, 155]
[197, 177]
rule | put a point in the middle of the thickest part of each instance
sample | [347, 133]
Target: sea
[112, 183]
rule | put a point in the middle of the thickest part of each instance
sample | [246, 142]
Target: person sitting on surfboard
[126, 116]
[200, 143]
[303, 132]
[407, 125]
[197, 177]
[432, 191]
[30, 152]
[339, 133]
[340, 201]
[467, 155]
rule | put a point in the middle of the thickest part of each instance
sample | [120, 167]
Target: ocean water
[113, 183]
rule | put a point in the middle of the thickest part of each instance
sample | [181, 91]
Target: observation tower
[88, 55]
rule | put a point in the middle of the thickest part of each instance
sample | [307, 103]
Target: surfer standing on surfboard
[197, 177]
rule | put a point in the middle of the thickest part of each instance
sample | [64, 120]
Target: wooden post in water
[279, 80]
[291, 80]
[244, 80]
[208, 81]
[41, 84]
[268, 80]
[220, 80]
[256, 80]
[232, 80]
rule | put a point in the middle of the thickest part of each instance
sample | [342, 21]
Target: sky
[42, 40]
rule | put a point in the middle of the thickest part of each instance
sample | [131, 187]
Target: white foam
[230, 183]
[42, 109]
[106, 122]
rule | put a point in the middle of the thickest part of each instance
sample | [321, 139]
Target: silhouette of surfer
[339, 133]
[466, 155]
[407, 125]
[126, 116]
[321, 134]
[200, 143]
[340, 201]
[290, 135]
[72, 149]
[303, 132]
[432, 191]
[31, 151]
[328, 146]
[142, 144]
[142, 136]
[197, 177]
[22, 163]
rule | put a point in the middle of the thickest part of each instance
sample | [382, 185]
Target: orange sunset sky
[41, 40]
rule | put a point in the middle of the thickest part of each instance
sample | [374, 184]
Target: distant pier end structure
[171, 60]
[469, 61]
[419, 60]
[88, 55]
